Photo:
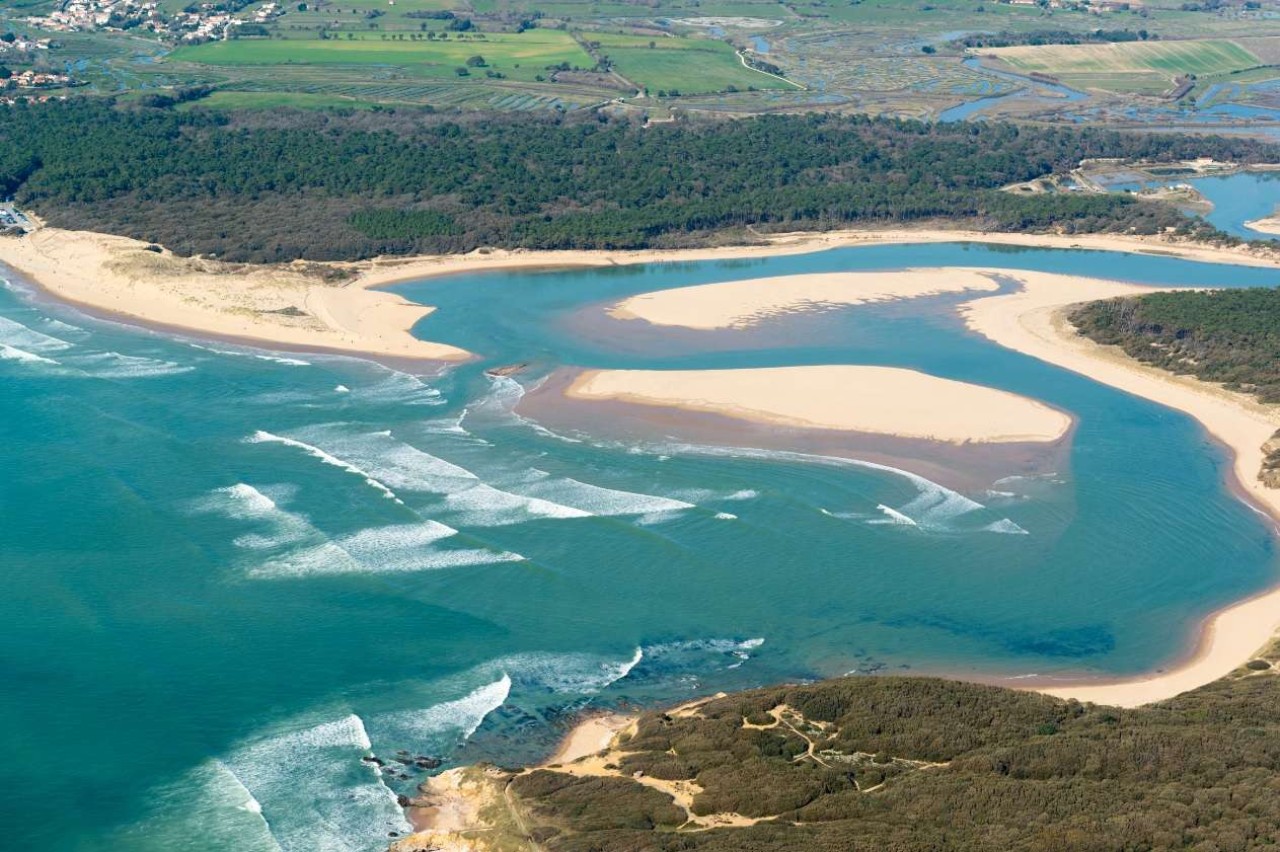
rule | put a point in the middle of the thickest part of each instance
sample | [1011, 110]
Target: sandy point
[298, 306]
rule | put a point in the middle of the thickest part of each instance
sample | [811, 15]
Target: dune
[878, 400]
[283, 306]
[741, 304]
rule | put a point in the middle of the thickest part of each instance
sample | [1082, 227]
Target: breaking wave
[312, 790]
[261, 437]
[442, 725]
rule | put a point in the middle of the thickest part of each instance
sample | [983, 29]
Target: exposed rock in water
[507, 370]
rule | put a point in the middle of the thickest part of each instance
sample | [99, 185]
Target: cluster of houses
[23, 44]
[30, 79]
[1082, 5]
[90, 15]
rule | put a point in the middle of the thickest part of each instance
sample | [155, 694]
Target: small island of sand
[741, 304]
[877, 400]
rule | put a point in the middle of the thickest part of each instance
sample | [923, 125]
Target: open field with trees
[680, 65]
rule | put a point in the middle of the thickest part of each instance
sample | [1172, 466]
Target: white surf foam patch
[314, 791]
[381, 550]
[569, 674]
[395, 387]
[206, 808]
[1006, 527]
[12, 353]
[935, 506]
[892, 516]
[115, 365]
[595, 499]
[260, 356]
[442, 725]
[726, 516]
[261, 437]
[19, 336]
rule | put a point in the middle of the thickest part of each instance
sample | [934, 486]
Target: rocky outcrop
[1270, 473]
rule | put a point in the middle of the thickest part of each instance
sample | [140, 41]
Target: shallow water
[232, 573]
[1237, 198]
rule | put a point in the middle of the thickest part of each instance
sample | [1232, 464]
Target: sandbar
[1268, 225]
[1033, 321]
[291, 306]
[876, 400]
[741, 304]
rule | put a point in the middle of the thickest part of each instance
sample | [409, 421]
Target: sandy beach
[338, 306]
[273, 306]
[741, 304]
[1033, 322]
[1269, 225]
[875, 400]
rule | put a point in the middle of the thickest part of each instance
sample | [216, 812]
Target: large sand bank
[876, 400]
[282, 306]
[1269, 225]
[739, 304]
[1033, 321]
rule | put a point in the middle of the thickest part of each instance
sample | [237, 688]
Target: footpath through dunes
[1034, 321]
[307, 306]
[878, 400]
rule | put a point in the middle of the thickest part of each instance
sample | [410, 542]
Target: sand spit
[741, 304]
[289, 306]
[877, 400]
[1033, 321]
[1269, 225]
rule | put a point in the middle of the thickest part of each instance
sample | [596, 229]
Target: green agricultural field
[686, 65]
[1209, 56]
[274, 100]
[522, 56]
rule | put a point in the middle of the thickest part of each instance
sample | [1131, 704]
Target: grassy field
[523, 56]
[687, 65]
[1209, 56]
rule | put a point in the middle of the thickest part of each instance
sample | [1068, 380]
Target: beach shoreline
[1033, 321]
[292, 307]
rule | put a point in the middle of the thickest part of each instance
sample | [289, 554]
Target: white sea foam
[206, 808]
[245, 353]
[569, 674]
[935, 506]
[443, 724]
[726, 516]
[594, 499]
[892, 516]
[398, 388]
[1005, 526]
[12, 353]
[115, 365]
[20, 336]
[312, 789]
[261, 437]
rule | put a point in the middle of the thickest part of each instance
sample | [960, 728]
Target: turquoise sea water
[229, 574]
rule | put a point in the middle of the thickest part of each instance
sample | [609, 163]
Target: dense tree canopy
[1228, 336]
[279, 186]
